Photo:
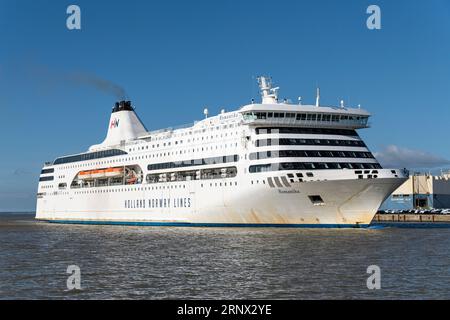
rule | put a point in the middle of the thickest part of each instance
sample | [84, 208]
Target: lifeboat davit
[113, 172]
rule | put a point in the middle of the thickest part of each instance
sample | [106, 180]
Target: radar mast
[269, 95]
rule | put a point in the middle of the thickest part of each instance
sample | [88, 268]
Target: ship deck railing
[351, 124]
[170, 129]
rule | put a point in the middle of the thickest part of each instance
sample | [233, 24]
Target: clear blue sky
[175, 57]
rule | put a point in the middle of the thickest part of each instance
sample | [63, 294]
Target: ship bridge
[304, 116]
[271, 112]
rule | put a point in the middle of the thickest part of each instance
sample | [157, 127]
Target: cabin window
[62, 185]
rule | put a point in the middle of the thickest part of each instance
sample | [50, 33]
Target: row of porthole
[257, 181]
[219, 184]
[185, 151]
[94, 190]
[198, 149]
[57, 193]
[190, 132]
[181, 141]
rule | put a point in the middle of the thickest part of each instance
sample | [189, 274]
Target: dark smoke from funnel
[100, 84]
[51, 78]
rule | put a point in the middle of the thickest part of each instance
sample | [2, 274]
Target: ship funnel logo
[114, 123]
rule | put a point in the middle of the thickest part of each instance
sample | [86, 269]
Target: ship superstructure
[266, 164]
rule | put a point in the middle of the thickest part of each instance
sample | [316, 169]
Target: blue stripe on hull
[227, 225]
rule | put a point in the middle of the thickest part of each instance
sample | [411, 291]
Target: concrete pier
[411, 219]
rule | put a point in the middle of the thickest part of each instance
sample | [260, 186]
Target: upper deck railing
[170, 129]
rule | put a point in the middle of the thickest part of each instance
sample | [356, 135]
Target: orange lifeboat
[84, 175]
[132, 180]
[98, 173]
[114, 172]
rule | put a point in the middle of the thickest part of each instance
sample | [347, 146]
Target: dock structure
[411, 220]
[421, 191]
[408, 217]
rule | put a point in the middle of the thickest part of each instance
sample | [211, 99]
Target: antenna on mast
[317, 96]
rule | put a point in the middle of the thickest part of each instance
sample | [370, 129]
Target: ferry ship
[273, 163]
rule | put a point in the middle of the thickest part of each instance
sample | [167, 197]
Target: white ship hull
[347, 202]
[268, 164]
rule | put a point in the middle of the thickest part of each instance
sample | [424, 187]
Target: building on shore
[421, 191]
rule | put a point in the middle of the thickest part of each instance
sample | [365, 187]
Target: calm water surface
[228, 263]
